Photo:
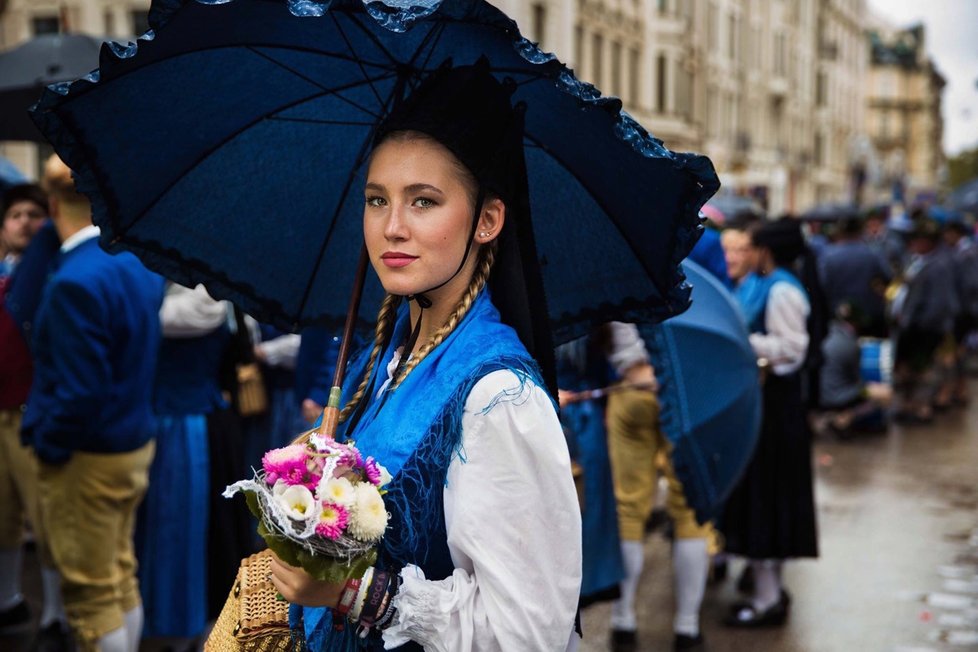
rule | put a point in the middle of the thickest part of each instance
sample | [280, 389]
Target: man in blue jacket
[88, 418]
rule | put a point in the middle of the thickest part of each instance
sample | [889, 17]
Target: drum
[876, 360]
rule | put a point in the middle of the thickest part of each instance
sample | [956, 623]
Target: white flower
[368, 518]
[279, 487]
[385, 475]
[298, 503]
[336, 490]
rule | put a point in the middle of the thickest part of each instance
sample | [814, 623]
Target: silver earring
[485, 234]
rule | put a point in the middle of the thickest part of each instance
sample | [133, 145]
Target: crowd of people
[855, 323]
[127, 404]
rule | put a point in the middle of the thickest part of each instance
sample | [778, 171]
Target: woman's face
[737, 252]
[417, 218]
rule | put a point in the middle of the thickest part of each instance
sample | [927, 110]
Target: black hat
[783, 237]
[470, 112]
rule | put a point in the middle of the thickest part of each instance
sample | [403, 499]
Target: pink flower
[373, 471]
[350, 457]
[291, 466]
[333, 521]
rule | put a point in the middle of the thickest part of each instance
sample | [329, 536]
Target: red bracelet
[348, 597]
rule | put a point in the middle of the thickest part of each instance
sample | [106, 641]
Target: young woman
[770, 515]
[483, 550]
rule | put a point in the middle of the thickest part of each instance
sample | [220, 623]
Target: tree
[962, 167]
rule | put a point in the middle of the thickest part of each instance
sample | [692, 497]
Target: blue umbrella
[709, 391]
[26, 69]
[830, 212]
[964, 198]
[229, 148]
[9, 174]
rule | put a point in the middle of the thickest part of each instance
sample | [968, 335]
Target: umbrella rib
[430, 40]
[325, 90]
[373, 37]
[339, 207]
[204, 155]
[584, 185]
[349, 123]
[363, 71]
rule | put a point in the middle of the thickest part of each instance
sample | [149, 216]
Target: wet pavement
[898, 572]
[899, 566]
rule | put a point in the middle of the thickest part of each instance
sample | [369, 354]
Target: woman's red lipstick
[397, 259]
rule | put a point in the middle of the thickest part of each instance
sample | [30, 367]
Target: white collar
[87, 233]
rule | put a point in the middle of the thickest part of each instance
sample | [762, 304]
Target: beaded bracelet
[361, 597]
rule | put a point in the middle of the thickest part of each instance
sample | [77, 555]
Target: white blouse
[786, 321]
[514, 533]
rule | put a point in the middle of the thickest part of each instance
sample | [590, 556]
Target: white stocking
[691, 565]
[623, 610]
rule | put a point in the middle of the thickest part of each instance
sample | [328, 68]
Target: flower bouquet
[319, 506]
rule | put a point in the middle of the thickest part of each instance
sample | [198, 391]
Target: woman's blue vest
[755, 290]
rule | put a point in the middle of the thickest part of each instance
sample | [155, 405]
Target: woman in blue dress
[171, 537]
[483, 550]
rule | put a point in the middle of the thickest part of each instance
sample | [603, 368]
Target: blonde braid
[479, 279]
[385, 321]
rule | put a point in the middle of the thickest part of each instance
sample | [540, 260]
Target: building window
[45, 25]
[109, 19]
[539, 22]
[732, 36]
[597, 61]
[616, 87]
[661, 83]
[820, 89]
[713, 26]
[684, 96]
[634, 78]
[579, 46]
[780, 65]
[819, 147]
[140, 22]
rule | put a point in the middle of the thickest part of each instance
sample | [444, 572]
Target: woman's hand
[298, 587]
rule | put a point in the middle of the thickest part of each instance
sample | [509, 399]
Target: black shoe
[718, 572]
[56, 637]
[746, 615]
[684, 642]
[15, 619]
[624, 640]
[745, 583]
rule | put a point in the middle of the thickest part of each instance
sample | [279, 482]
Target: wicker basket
[254, 618]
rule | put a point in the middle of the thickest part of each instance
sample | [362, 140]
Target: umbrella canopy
[730, 205]
[709, 391]
[964, 198]
[830, 212]
[26, 69]
[230, 148]
[9, 175]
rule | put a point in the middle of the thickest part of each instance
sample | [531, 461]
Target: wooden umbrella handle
[331, 413]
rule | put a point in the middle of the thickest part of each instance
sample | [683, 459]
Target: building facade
[903, 118]
[788, 97]
[21, 20]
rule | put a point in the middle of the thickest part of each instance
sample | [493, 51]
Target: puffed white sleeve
[514, 532]
[190, 312]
